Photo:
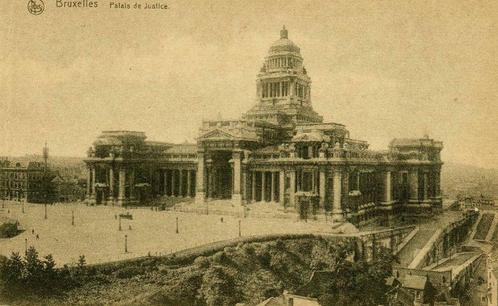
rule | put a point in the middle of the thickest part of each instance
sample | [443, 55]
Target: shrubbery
[32, 274]
[8, 230]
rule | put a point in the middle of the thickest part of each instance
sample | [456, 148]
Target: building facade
[22, 183]
[279, 151]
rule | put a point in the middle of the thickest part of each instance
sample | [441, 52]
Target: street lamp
[177, 225]
[240, 234]
[45, 211]
[119, 222]
[72, 217]
[126, 243]
[26, 246]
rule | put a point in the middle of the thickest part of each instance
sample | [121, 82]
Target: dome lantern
[284, 33]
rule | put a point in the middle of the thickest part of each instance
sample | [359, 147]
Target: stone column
[173, 182]
[122, 185]
[94, 176]
[189, 183]
[214, 191]
[272, 191]
[336, 207]
[263, 186]
[426, 190]
[292, 200]
[253, 187]
[323, 178]
[292, 88]
[111, 183]
[132, 183]
[180, 183]
[165, 175]
[413, 181]
[209, 190]
[237, 194]
[200, 176]
[89, 182]
[387, 187]
[438, 183]
[281, 185]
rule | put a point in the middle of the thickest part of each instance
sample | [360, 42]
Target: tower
[45, 156]
[283, 87]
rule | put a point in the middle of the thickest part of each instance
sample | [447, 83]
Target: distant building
[280, 151]
[476, 201]
[26, 183]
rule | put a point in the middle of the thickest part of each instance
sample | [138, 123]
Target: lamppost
[177, 225]
[45, 211]
[240, 233]
[126, 243]
[119, 222]
[72, 217]
[26, 246]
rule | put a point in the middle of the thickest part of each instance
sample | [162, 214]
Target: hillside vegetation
[248, 272]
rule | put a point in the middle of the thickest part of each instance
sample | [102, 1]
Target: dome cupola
[284, 44]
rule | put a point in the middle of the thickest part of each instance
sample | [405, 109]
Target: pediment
[217, 134]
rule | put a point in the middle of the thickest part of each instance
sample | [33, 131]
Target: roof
[273, 301]
[283, 300]
[314, 136]
[415, 142]
[186, 148]
[284, 44]
[268, 149]
[416, 282]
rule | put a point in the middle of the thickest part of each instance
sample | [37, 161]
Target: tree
[34, 268]
[12, 271]
[356, 283]
[218, 288]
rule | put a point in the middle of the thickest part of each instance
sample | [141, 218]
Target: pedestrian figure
[221, 219]
[129, 227]
[115, 216]
[32, 231]
[37, 237]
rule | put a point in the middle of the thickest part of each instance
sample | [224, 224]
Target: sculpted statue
[91, 152]
[247, 154]
[337, 145]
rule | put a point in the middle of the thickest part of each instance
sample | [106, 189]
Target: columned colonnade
[178, 182]
[106, 183]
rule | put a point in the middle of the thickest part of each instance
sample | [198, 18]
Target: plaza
[96, 235]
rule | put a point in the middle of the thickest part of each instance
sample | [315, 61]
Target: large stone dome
[284, 44]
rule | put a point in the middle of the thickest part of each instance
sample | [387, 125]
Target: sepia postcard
[222, 153]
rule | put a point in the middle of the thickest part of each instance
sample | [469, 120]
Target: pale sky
[385, 69]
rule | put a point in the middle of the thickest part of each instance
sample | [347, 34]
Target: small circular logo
[36, 7]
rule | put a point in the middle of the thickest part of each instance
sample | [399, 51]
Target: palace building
[280, 151]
